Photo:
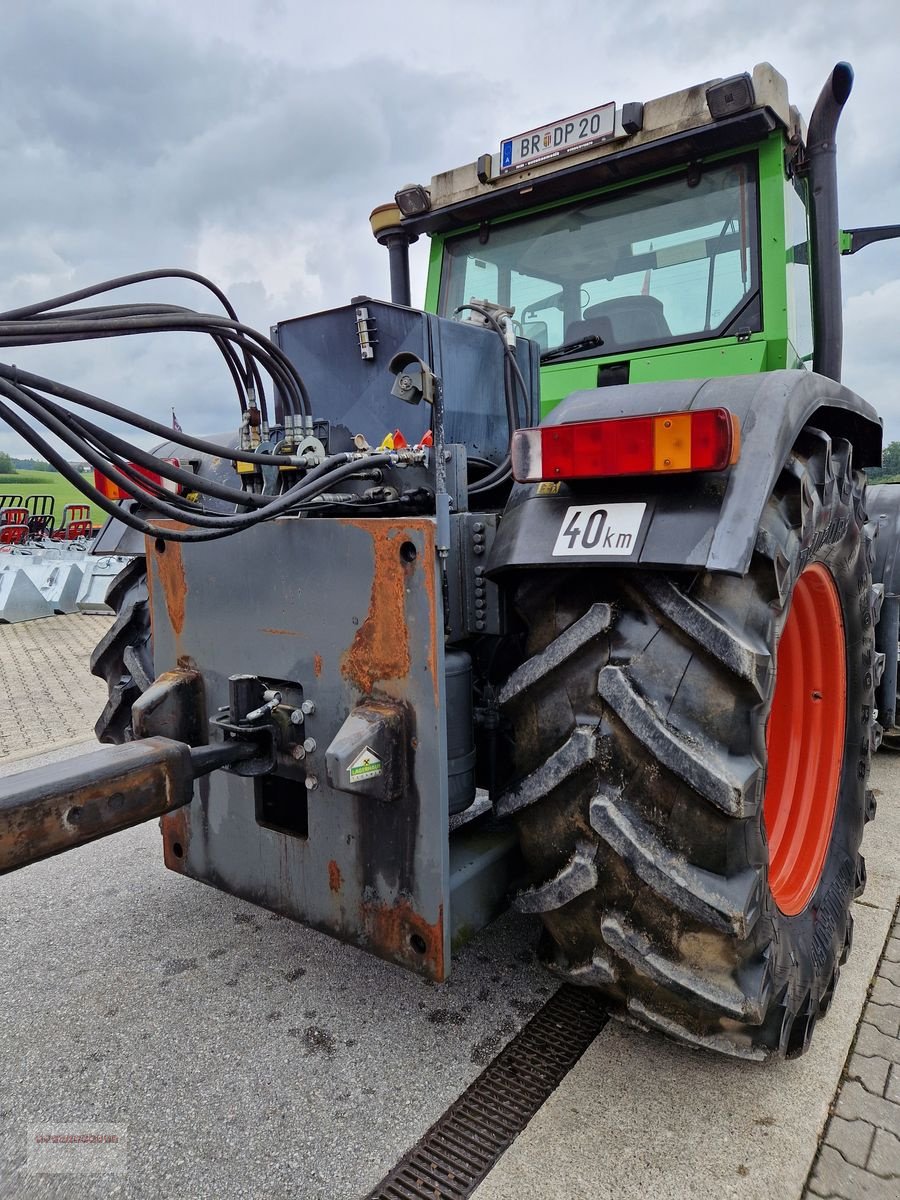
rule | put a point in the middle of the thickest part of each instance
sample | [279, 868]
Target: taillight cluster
[664, 443]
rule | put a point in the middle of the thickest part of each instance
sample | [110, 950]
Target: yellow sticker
[549, 489]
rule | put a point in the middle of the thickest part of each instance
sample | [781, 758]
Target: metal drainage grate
[461, 1147]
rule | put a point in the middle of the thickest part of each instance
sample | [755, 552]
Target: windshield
[671, 261]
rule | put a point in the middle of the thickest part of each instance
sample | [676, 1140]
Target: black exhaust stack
[821, 160]
[386, 226]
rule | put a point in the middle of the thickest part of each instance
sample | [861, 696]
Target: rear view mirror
[537, 331]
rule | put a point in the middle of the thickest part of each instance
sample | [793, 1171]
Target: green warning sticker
[366, 765]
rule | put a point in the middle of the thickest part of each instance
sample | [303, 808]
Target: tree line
[8, 464]
[890, 464]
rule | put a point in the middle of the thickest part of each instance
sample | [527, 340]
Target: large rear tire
[124, 655]
[694, 848]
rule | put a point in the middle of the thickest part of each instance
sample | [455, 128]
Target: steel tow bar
[60, 806]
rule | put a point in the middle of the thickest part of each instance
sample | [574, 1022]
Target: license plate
[599, 529]
[594, 125]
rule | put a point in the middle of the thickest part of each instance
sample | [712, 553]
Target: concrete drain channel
[463, 1145]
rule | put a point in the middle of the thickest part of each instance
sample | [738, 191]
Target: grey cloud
[130, 140]
[141, 134]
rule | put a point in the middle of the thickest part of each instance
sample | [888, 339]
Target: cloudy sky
[249, 140]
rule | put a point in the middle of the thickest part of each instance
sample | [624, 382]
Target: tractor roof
[685, 125]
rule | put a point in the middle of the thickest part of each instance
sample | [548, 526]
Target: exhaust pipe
[821, 160]
[386, 226]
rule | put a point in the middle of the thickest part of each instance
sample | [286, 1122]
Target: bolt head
[309, 745]
[296, 717]
[298, 753]
[311, 783]
[308, 707]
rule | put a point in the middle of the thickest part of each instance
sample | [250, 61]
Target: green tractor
[560, 589]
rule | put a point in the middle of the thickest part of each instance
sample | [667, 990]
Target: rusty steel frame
[349, 610]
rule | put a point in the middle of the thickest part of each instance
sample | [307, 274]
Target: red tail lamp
[112, 491]
[661, 444]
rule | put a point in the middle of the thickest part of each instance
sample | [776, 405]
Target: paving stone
[866, 1112]
[856, 1104]
[884, 1158]
[852, 1139]
[872, 1073]
[47, 694]
[872, 1041]
[885, 991]
[833, 1176]
[885, 1017]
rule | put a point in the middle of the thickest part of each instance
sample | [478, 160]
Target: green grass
[34, 483]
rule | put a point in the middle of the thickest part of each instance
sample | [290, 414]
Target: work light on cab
[661, 444]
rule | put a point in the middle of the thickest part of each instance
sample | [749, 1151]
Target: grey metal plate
[332, 606]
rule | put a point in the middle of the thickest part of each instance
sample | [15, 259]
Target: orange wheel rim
[805, 739]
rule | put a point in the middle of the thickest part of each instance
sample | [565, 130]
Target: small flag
[175, 424]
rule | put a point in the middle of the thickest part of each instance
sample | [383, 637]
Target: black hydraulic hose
[70, 327]
[110, 507]
[338, 468]
[15, 422]
[231, 363]
[510, 358]
[503, 471]
[296, 495]
[318, 480]
[110, 285]
[242, 381]
[121, 281]
[40, 383]
[500, 473]
[825, 233]
[511, 413]
[66, 434]
[228, 352]
[248, 355]
[103, 439]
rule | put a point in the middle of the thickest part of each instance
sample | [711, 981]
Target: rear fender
[693, 520]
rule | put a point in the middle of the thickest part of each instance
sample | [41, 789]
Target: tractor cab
[671, 241]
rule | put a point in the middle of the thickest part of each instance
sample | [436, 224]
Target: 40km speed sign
[599, 529]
